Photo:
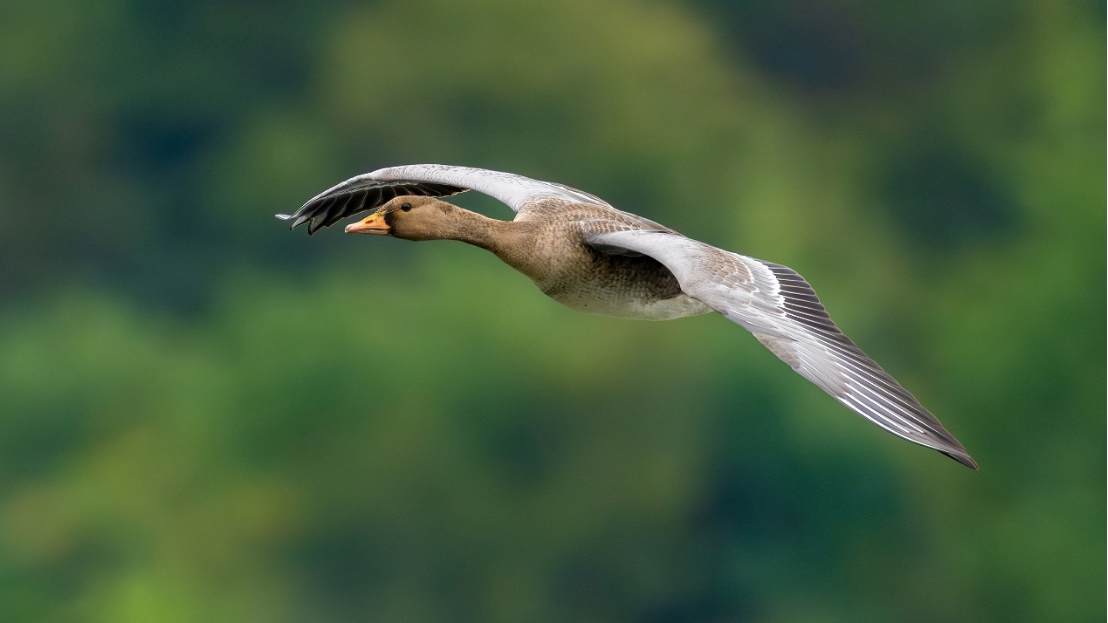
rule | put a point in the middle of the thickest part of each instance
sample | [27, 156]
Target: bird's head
[411, 217]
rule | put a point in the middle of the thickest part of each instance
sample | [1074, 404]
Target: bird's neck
[508, 240]
[475, 229]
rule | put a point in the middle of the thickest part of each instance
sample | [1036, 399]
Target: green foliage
[203, 417]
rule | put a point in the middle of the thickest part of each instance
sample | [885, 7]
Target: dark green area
[204, 417]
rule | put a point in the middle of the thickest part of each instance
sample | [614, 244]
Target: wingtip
[964, 459]
[285, 217]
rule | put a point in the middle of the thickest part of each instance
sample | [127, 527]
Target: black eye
[407, 207]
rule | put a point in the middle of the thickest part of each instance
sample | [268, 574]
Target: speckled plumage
[559, 259]
[586, 254]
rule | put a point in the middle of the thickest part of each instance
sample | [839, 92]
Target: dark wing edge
[344, 200]
[872, 392]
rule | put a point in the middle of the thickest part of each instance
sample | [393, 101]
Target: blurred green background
[204, 417]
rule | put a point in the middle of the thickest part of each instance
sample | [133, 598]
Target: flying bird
[586, 254]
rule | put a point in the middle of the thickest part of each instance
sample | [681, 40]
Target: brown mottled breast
[548, 245]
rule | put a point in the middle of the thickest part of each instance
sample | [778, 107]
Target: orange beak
[372, 224]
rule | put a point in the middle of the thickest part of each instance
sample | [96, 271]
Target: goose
[589, 256]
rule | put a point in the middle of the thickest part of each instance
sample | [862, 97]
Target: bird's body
[587, 255]
[559, 259]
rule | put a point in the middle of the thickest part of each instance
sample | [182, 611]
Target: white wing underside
[372, 190]
[783, 312]
[514, 190]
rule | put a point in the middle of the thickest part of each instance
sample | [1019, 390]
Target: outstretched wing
[783, 312]
[370, 190]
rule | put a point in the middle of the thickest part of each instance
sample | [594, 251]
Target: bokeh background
[204, 417]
